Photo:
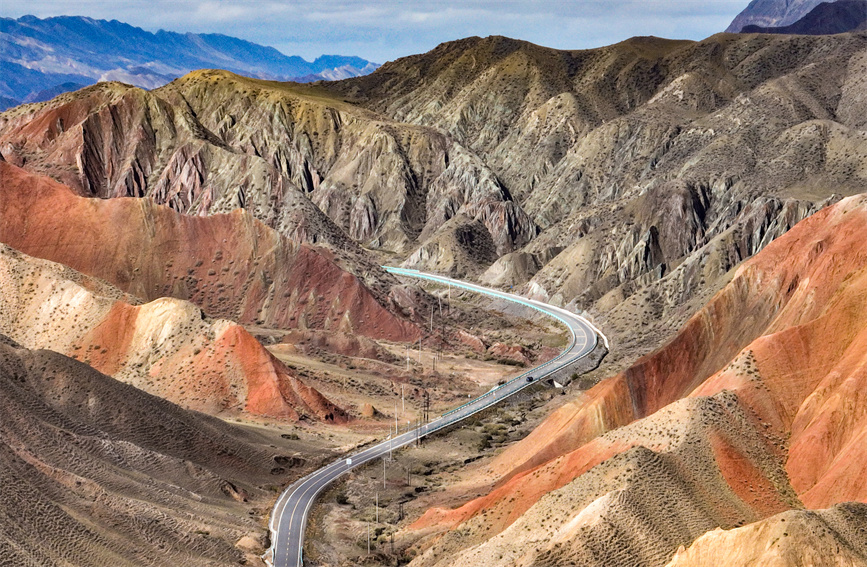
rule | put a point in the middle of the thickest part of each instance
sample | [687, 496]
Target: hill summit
[42, 58]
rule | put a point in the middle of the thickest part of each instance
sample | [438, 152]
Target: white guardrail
[359, 458]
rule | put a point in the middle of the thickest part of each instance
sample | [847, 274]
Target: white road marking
[329, 473]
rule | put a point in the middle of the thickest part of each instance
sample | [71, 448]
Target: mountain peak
[39, 55]
[772, 13]
[825, 19]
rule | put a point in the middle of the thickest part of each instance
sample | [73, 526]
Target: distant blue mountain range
[41, 58]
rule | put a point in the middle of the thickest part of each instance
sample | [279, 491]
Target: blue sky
[381, 31]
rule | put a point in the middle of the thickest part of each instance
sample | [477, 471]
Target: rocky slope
[96, 472]
[652, 167]
[755, 407]
[166, 347]
[231, 265]
[212, 142]
[833, 537]
[772, 13]
[840, 16]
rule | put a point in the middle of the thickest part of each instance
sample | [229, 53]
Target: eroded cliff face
[166, 347]
[231, 265]
[304, 163]
[652, 167]
[756, 406]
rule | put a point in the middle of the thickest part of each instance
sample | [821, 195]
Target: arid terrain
[96, 472]
[613, 180]
[195, 313]
[754, 409]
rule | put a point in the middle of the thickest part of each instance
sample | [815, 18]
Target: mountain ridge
[81, 50]
[772, 13]
[840, 16]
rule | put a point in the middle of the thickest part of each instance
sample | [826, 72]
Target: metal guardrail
[358, 459]
[501, 295]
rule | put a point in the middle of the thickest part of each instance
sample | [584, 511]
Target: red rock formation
[231, 265]
[787, 337]
[166, 347]
[802, 294]
[340, 343]
[514, 353]
[472, 341]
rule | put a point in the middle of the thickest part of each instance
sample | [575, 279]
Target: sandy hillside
[166, 347]
[96, 472]
[754, 408]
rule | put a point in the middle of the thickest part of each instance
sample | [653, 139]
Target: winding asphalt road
[289, 517]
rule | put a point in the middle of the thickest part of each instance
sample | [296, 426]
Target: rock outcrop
[755, 407]
[166, 347]
[230, 265]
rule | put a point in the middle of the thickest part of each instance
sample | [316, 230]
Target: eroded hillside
[96, 472]
[652, 167]
[633, 181]
[212, 142]
[166, 347]
[230, 264]
[627, 180]
[754, 408]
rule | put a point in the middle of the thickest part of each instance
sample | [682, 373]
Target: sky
[385, 30]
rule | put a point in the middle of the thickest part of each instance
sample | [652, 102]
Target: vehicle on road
[289, 517]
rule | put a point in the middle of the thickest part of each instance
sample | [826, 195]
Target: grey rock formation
[772, 13]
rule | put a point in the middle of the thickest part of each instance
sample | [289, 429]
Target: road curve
[289, 516]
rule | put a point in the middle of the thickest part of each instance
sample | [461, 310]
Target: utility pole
[368, 537]
[426, 407]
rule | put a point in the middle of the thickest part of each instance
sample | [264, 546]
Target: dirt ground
[443, 470]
